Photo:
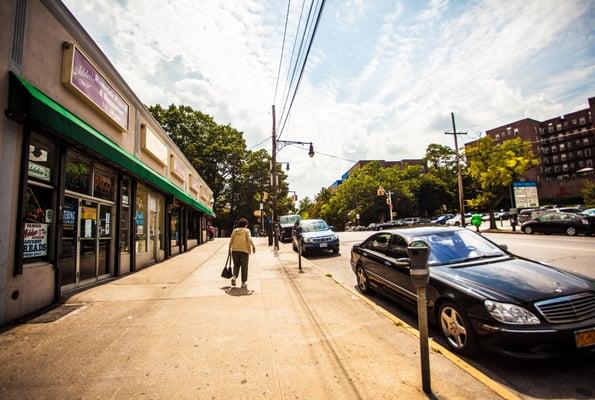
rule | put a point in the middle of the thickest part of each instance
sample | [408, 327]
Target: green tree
[589, 193]
[305, 207]
[494, 166]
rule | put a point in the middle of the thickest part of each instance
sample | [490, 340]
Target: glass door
[88, 240]
[69, 252]
[153, 239]
[106, 222]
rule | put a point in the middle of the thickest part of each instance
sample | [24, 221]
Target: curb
[496, 387]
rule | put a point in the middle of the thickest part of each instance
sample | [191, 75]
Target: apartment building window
[578, 142]
[571, 165]
[516, 131]
[579, 153]
[550, 128]
[497, 136]
[563, 157]
[574, 121]
[540, 130]
[571, 155]
[581, 164]
[555, 158]
[588, 152]
[569, 144]
[553, 149]
[585, 140]
[564, 167]
[562, 147]
[589, 163]
[556, 168]
[558, 127]
[581, 120]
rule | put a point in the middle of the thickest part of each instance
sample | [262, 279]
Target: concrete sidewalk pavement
[178, 330]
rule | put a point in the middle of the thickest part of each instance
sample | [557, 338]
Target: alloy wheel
[571, 231]
[528, 230]
[453, 328]
[362, 280]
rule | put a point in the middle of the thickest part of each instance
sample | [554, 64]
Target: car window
[314, 226]
[397, 247]
[545, 218]
[380, 243]
[447, 247]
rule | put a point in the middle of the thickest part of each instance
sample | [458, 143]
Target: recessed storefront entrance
[87, 242]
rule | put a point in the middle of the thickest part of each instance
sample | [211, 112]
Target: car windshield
[450, 247]
[289, 219]
[314, 226]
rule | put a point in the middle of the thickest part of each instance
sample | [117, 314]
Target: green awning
[34, 105]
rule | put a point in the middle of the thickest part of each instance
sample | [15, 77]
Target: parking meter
[418, 253]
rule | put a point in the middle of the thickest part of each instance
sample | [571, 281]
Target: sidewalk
[178, 331]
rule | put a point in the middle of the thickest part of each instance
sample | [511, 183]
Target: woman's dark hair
[242, 223]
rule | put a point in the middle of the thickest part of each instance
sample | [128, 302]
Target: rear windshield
[289, 219]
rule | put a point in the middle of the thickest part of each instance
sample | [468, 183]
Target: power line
[259, 143]
[303, 65]
[297, 60]
[282, 49]
[325, 154]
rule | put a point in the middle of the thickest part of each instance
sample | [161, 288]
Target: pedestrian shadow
[237, 291]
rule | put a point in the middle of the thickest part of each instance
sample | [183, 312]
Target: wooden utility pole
[459, 176]
[274, 183]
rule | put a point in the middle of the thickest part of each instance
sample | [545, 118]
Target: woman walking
[239, 246]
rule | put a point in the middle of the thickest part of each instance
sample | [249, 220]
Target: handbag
[227, 272]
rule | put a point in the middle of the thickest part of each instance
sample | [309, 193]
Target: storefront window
[78, 173]
[140, 217]
[161, 222]
[192, 225]
[175, 227]
[39, 202]
[125, 217]
[103, 184]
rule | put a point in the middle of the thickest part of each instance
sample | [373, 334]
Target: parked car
[372, 227]
[575, 210]
[504, 215]
[411, 220]
[442, 219]
[559, 222]
[456, 220]
[390, 225]
[589, 212]
[286, 223]
[316, 235]
[482, 296]
[527, 214]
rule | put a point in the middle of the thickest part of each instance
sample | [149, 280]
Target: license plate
[323, 244]
[585, 337]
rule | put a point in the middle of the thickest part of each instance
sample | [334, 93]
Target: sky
[382, 77]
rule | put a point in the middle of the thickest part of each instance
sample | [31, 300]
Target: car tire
[457, 223]
[571, 231]
[456, 328]
[528, 230]
[363, 283]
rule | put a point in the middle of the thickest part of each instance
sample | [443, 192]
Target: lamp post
[381, 192]
[281, 144]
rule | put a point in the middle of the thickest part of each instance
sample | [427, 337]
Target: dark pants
[240, 259]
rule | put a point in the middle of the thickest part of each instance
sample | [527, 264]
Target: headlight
[334, 237]
[308, 240]
[510, 313]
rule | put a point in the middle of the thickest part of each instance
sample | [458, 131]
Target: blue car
[315, 235]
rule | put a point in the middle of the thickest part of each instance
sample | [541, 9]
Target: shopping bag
[227, 272]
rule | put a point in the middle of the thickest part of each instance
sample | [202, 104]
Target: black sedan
[559, 222]
[480, 295]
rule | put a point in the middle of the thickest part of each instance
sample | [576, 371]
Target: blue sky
[382, 78]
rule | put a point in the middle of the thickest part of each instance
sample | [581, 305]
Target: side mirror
[503, 246]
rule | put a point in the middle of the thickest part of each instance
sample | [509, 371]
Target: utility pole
[459, 176]
[274, 177]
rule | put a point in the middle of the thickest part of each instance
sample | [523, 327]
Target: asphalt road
[566, 378]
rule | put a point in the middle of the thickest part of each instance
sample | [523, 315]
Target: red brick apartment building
[565, 146]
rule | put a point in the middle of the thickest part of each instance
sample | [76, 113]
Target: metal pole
[422, 315]
[274, 174]
[459, 176]
[299, 256]
[390, 205]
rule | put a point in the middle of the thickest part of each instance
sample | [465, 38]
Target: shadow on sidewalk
[237, 291]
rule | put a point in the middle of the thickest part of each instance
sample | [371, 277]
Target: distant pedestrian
[240, 245]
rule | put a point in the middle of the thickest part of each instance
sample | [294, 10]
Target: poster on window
[35, 242]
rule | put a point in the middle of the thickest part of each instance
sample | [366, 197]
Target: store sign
[35, 243]
[39, 171]
[153, 146]
[81, 76]
[525, 194]
[89, 213]
[178, 169]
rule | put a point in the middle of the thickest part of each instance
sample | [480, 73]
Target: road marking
[496, 387]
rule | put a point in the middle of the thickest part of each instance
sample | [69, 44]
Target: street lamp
[389, 200]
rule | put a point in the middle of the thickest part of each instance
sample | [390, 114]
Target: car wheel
[457, 223]
[528, 230]
[456, 329]
[570, 231]
[363, 283]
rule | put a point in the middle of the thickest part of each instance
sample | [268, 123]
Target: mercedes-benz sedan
[481, 295]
